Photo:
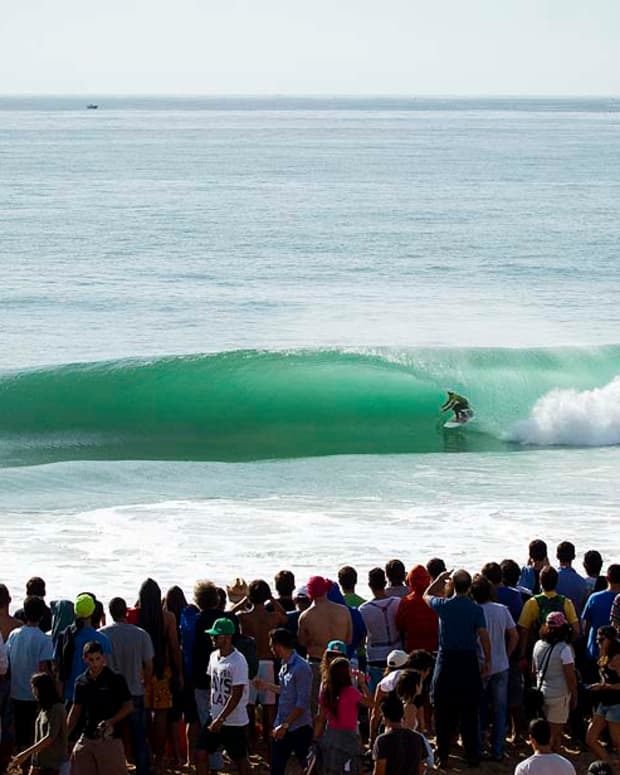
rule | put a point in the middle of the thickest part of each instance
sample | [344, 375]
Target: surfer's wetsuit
[459, 405]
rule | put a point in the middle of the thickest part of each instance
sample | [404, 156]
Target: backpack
[247, 646]
[65, 649]
[188, 636]
[547, 605]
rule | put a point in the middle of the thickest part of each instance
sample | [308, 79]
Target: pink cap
[556, 619]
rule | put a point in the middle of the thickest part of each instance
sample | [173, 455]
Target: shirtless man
[7, 624]
[322, 622]
[257, 622]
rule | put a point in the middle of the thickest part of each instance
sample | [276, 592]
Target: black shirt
[100, 698]
[403, 750]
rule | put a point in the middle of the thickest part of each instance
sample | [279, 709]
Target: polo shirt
[100, 698]
[459, 621]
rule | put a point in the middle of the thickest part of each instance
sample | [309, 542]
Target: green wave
[248, 405]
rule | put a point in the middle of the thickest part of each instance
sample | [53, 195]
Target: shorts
[556, 709]
[610, 713]
[25, 714]
[158, 691]
[263, 696]
[234, 740]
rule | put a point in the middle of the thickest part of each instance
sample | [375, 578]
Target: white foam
[587, 418]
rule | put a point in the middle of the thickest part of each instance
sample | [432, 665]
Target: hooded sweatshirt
[414, 618]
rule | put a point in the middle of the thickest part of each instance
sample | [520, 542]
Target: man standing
[457, 681]
[347, 578]
[292, 732]
[228, 728]
[504, 639]
[132, 657]
[257, 622]
[382, 633]
[8, 623]
[102, 699]
[35, 587]
[543, 762]
[30, 651]
[530, 573]
[570, 583]
[322, 622]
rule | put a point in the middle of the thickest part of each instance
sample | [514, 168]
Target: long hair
[175, 602]
[45, 688]
[553, 635]
[151, 619]
[611, 643]
[338, 678]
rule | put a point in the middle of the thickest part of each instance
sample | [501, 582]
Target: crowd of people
[424, 664]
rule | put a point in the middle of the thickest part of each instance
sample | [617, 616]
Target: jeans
[139, 743]
[203, 706]
[297, 741]
[495, 693]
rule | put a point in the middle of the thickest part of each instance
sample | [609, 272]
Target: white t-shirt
[545, 764]
[554, 683]
[226, 672]
[382, 633]
[498, 620]
[388, 683]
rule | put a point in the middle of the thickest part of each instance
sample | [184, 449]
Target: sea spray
[586, 418]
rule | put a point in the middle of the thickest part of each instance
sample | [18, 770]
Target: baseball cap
[84, 606]
[599, 768]
[222, 626]
[556, 619]
[301, 592]
[397, 658]
[337, 645]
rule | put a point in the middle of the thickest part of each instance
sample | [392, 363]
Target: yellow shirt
[530, 611]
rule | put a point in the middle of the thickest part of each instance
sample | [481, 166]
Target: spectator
[395, 572]
[7, 625]
[228, 728]
[501, 593]
[418, 623]
[530, 573]
[543, 761]
[503, 639]
[570, 583]
[35, 587]
[597, 610]
[284, 582]
[593, 564]
[49, 752]
[292, 732]
[435, 567]
[554, 663]
[101, 700]
[30, 651]
[606, 694]
[68, 653]
[457, 682]
[397, 751]
[347, 578]
[383, 635]
[132, 657]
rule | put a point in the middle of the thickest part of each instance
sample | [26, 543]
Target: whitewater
[228, 326]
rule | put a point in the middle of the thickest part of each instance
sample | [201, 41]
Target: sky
[412, 47]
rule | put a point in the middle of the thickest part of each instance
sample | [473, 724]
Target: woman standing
[162, 627]
[335, 728]
[554, 663]
[606, 693]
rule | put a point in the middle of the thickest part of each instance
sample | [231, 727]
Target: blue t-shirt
[82, 637]
[512, 599]
[573, 586]
[596, 613]
[459, 621]
[27, 648]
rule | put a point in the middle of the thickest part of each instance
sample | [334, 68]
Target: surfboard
[452, 424]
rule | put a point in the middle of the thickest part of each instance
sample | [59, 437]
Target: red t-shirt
[347, 709]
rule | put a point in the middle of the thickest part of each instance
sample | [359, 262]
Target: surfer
[459, 405]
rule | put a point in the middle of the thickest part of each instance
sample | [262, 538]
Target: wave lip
[573, 418]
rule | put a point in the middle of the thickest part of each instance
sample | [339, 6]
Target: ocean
[228, 324]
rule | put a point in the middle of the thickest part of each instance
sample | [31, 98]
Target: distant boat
[92, 106]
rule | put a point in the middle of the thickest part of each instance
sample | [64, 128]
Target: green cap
[222, 626]
[84, 606]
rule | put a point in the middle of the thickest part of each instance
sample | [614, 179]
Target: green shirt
[52, 722]
[353, 600]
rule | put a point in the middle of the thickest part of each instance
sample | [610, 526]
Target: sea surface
[227, 326]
